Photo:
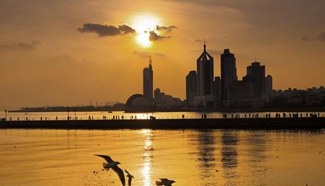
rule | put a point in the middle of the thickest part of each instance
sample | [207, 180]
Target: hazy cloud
[321, 36]
[24, 46]
[141, 54]
[153, 36]
[160, 54]
[166, 28]
[305, 38]
[106, 30]
[6, 47]
[29, 46]
[200, 40]
[147, 54]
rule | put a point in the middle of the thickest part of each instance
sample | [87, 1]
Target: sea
[205, 157]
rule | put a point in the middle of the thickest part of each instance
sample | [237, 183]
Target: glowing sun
[143, 25]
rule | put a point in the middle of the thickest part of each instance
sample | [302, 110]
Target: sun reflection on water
[146, 167]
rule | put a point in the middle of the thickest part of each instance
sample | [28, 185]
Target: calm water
[191, 157]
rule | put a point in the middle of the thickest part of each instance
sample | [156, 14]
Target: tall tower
[148, 81]
[205, 73]
[228, 71]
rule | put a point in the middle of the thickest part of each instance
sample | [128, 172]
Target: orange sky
[67, 53]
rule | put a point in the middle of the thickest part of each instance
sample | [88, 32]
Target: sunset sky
[68, 52]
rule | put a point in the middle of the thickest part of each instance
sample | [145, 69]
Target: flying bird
[165, 182]
[129, 176]
[113, 164]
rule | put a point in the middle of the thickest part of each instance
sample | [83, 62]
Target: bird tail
[106, 167]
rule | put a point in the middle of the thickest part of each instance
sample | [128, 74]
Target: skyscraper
[228, 71]
[268, 84]
[148, 81]
[257, 73]
[205, 74]
[191, 83]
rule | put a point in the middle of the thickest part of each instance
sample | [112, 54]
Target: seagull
[165, 182]
[129, 176]
[113, 164]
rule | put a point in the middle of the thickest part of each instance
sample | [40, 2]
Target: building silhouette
[267, 94]
[228, 72]
[205, 75]
[257, 74]
[191, 90]
[148, 81]
[268, 84]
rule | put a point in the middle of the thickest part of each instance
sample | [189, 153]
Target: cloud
[305, 38]
[200, 40]
[106, 30]
[141, 54]
[166, 28]
[27, 46]
[160, 54]
[147, 54]
[321, 36]
[153, 36]
[6, 47]
[24, 46]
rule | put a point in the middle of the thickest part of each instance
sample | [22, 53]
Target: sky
[71, 52]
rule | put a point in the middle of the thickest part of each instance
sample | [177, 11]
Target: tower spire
[150, 61]
[204, 46]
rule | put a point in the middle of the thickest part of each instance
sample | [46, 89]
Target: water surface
[191, 157]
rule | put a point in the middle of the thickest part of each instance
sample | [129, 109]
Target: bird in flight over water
[165, 182]
[129, 176]
[113, 165]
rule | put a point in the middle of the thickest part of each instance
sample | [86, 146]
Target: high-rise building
[148, 81]
[205, 74]
[228, 72]
[257, 73]
[217, 91]
[268, 84]
[191, 91]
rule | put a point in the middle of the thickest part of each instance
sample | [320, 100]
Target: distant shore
[223, 110]
[216, 123]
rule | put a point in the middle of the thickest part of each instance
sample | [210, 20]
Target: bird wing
[107, 158]
[120, 174]
[127, 172]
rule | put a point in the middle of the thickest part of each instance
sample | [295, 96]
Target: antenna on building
[204, 44]
[150, 62]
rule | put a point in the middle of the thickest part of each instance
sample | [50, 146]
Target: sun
[143, 25]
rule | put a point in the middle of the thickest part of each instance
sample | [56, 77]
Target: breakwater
[215, 123]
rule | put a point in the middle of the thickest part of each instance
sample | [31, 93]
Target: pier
[208, 123]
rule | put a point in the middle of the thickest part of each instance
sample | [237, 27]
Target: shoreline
[207, 110]
[215, 123]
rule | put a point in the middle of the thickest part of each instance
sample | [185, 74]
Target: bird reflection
[129, 177]
[113, 164]
[165, 182]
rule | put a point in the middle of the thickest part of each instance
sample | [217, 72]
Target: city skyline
[67, 53]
